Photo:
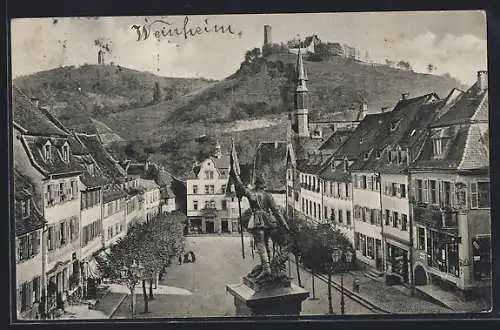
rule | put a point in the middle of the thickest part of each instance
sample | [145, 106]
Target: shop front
[369, 250]
[397, 264]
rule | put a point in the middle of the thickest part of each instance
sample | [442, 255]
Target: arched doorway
[420, 276]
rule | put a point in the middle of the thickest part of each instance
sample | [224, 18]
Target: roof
[347, 116]
[465, 124]
[270, 160]
[112, 193]
[135, 169]
[363, 137]
[334, 173]
[31, 118]
[55, 164]
[34, 220]
[405, 126]
[336, 140]
[471, 104]
[147, 184]
[103, 159]
[222, 162]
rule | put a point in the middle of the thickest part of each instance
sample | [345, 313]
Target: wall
[28, 269]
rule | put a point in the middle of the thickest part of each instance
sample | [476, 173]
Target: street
[219, 262]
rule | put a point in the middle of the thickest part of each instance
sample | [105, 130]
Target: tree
[430, 68]
[404, 65]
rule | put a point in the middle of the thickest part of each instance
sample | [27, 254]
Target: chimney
[364, 106]
[267, 34]
[35, 101]
[404, 96]
[482, 80]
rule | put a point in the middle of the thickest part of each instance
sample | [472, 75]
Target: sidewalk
[392, 299]
[104, 309]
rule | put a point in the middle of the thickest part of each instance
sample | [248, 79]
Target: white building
[151, 197]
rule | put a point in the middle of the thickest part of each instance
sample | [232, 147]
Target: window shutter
[398, 190]
[18, 250]
[439, 192]
[473, 195]
[425, 192]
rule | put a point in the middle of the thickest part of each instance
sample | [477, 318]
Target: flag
[235, 165]
[235, 168]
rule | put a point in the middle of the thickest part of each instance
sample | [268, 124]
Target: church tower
[301, 111]
[218, 150]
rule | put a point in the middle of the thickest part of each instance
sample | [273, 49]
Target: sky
[453, 41]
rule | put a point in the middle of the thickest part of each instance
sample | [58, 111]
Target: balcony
[443, 218]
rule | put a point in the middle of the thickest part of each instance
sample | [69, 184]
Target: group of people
[187, 258]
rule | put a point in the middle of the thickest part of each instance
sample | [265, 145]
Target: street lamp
[341, 259]
[132, 275]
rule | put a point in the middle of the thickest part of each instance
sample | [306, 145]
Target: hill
[80, 97]
[262, 89]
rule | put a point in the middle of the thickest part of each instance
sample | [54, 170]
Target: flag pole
[234, 160]
[241, 230]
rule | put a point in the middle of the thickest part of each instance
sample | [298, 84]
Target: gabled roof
[54, 165]
[405, 127]
[30, 118]
[113, 193]
[23, 192]
[105, 161]
[147, 184]
[471, 104]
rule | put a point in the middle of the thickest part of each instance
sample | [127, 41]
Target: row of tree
[149, 245]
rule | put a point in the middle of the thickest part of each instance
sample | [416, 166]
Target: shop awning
[93, 270]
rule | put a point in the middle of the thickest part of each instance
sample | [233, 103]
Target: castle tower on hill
[267, 34]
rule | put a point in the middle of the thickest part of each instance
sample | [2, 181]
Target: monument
[267, 289]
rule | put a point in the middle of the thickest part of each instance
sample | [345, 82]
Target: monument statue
[266, 223]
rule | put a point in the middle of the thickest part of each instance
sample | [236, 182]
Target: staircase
[374, 274]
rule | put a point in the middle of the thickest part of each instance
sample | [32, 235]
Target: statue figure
[266, 222]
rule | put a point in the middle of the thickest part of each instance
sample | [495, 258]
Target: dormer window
[25, 208]
[47, 151]
[65, 152]
[366, 155]
[90, 168]
[378, 154]
[437, 147]
[332, 165]
[394, 125]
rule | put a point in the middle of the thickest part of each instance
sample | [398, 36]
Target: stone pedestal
[251, 299]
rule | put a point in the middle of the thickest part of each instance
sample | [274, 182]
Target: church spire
[301, 111]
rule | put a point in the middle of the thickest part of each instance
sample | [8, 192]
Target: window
[65, 152]
[207, 174]
[206, 189]
[363, 181]
[195, 189]
[370, 242]
[437, 147]
[341, 218]
[377, 154]
[326, 212]
[348, 217]
[446, 198]
[347, 190]
[433, 190]
[224, 204]
[302, 204]
[394, 125]
[46, 152]
[461, 193]
[195, 205]
[207, 204]
[482, 257]
[420, 192]
[212, 189]
[314, 210]
[395, 219]
[332, 215]
[421, 238]
[223, 189]
[356, 184]
[372, 216]
[211, 174]
[25, 208]
[363, 214]
[387, 217]
[426, 189]
[402, 188]
[480, 195]
[393, 189]
[404, 222]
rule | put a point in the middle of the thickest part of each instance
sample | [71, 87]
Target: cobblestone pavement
[218, 262]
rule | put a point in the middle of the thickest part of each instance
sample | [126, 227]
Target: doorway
[224, 226]
[209, 227]
[420, 276]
